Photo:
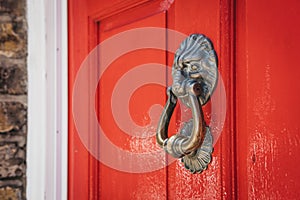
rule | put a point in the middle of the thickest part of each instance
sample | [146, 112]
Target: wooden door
[255, 147]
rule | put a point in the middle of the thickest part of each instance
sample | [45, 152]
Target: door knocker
[194, 73]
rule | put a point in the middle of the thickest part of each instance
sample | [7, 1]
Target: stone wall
[13, 99]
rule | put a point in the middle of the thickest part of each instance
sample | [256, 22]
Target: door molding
[47, 100]
[118, 8]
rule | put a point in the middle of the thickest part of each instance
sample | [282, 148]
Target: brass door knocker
[194, 73]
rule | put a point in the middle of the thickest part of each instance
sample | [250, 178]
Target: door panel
[93, 22]
[113, 183]
[267, 101]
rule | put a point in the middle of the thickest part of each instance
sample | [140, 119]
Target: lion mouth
[194, 74]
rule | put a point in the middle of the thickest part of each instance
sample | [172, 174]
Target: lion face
[195, 60]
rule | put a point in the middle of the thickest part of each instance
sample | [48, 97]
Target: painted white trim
[36, 141]
[47, 100]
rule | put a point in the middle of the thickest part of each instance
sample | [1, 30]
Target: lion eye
[194, 67]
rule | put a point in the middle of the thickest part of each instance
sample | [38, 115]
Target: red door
[118, 53]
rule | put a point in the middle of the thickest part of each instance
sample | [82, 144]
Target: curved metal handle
[194, 77]
[180, 145]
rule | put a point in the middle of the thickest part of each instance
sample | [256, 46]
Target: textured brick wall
[13, 97]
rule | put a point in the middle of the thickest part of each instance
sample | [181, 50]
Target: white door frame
[47, 140]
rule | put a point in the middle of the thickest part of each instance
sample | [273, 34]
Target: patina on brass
[194, 74]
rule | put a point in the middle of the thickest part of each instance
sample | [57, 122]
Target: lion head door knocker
[194, 74]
